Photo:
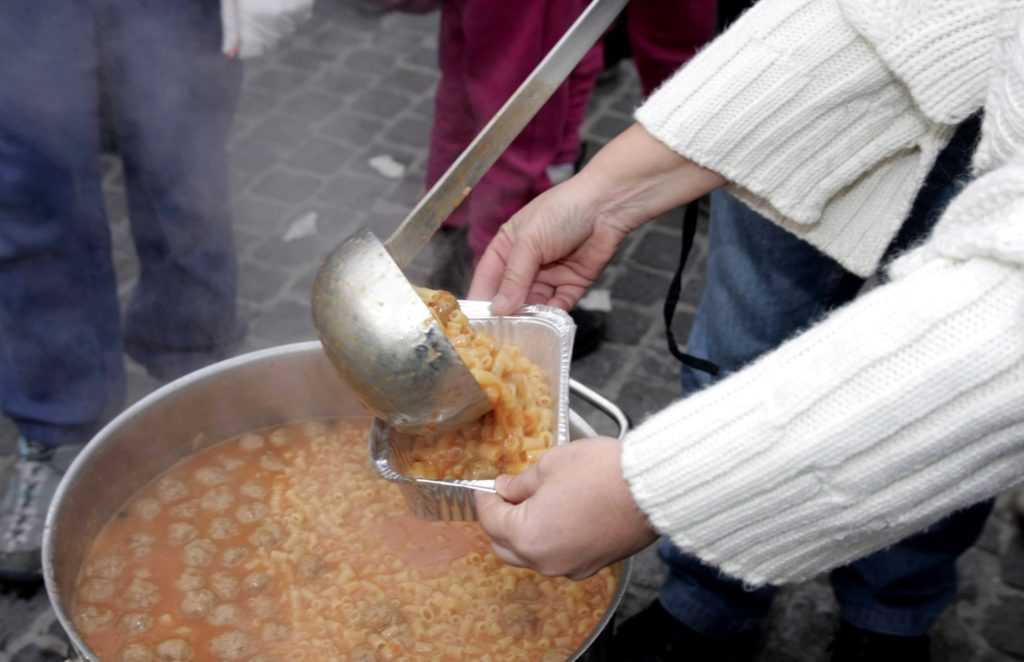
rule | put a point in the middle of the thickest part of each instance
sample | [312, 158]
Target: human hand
[570, 514]
[556, 246]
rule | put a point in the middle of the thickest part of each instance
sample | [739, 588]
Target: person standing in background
[172, 93]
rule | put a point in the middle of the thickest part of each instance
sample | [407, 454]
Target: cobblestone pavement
[354, 86]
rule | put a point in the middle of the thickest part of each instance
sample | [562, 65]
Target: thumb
[520, 272]
[518, 488]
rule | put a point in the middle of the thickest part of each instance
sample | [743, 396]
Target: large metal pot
[269, 387]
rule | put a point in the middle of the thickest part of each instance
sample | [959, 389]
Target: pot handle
[602, 404]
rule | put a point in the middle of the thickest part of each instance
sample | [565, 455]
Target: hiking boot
[654, 635]
[591, 326]
[28, 486]
[853, 644]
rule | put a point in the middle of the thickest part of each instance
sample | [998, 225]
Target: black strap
[672, 298]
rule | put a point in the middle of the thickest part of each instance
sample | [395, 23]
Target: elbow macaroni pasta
[507, 439]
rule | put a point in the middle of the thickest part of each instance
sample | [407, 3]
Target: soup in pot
[285, 545]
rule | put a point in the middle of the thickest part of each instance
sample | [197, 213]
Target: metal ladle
[378, 333]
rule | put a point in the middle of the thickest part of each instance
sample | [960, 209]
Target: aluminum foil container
[544, 335]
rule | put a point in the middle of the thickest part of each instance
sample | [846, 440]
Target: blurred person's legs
[486, 50]
[763, 286]
[663, 36]
[173, 99]
[61, 370]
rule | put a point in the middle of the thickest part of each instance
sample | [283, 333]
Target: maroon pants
[487, 48]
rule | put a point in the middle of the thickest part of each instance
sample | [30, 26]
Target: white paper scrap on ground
[387, 166]
[599, 300]
[302, 227]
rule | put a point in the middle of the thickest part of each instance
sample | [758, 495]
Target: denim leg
[173, 98]
[763, 285]
[901, 590]
[61, 371]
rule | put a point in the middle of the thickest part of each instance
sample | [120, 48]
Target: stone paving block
[641, 287]
[278, 82]
[396, 42]
[609, 126]
[1003, 627]
[286, 186]
[628, 326]
[659, 250]
[259, 281]
[259, 216]
[322, 156]
[307, 60]
[353, 192]
[425, 23]
[410, 80]
[423, 56]
[379, 103]
[311, 106]
[369, 61]
[425, 108]
[1013, 564]
[641, 397]
[410, 132]
[659, 363]
[597, 368]
[284, 133]
[286, 322]
[682, 321]
[285, 255]
[354, 129]
[252, 156]
[342, 82]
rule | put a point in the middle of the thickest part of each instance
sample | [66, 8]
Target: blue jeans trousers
[763, 286]
[172, 96]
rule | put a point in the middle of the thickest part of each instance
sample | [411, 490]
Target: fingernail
[499, 304]
[501, 482]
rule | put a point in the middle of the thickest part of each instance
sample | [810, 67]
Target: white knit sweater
[908, 404]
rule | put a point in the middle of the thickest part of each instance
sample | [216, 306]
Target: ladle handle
[456, 183]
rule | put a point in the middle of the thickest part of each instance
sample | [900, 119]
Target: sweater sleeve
[812, 120]
[894, 411]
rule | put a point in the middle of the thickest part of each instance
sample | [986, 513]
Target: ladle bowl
[385, 342]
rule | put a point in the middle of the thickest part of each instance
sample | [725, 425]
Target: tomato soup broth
[286, 545]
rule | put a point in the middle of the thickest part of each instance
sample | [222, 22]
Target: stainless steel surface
[380, 336]
[270, 387]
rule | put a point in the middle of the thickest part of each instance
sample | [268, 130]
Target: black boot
[654, 635]
[852, 644]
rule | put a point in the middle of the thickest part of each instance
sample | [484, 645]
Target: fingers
[516, 489]
[520, 272]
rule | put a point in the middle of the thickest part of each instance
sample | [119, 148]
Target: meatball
[199, 552]
[262, 605]
[230, 462]
[256, 583]
[232, 645]
[520, 621]
[224, 585]
[250, 513]
[146, 507]
[271, 462]
[174, 650]
[211, 475]
[106, 567]
[93, 618]
[275, 632]
[96, 589]
[197, 603]
[268, 536]
[135, 622]
[234, 556]
[226, 614]
[253, 490]
[190, 580]
[181, 533]
[171, 489]
[222, 528]
[250, 442]
[279, 437]
[217, 499]
[382, 615]
[141, 594]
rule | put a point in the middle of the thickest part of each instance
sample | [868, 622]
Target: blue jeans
[172, 96]
[763, 286]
